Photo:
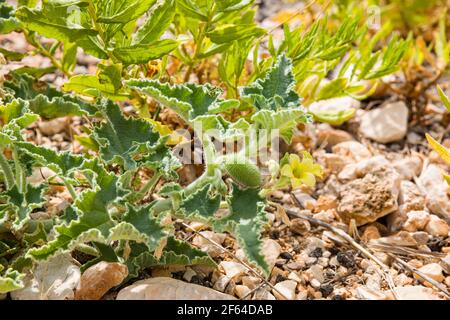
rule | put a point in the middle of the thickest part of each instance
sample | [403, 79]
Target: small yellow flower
[302, 172]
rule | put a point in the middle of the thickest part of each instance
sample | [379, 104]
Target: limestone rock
[242, 291]
[330, 136]
[446, 263]
[207, 246]
[432, 270]
[99, 278]
[286, 288]
[52, 127]
[55, 279]
[415, 293]
[437, 191]
[369, 198]
[233, 269]
[360, 169]
[221, 283]
[299, 226]
[322, 108]
[417, 220]
[408, 167]
[437, 227]
[333, 162]
[271, 250]
[410, 198]
[366, 293]
[263, 294]
[386, 124]
[353, 150]
[169, 289]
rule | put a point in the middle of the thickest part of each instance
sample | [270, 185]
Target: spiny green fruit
[243, 171]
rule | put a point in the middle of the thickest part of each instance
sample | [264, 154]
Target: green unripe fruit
[243, 171]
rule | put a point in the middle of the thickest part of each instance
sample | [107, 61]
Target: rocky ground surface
[382, 186]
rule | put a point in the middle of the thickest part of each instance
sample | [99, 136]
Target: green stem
[162, 205]
[46, 53]
[146, 188]
[20, 179]
[71, 189]
[97, 27]
[9, 176]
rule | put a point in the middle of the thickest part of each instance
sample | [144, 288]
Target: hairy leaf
[149, 228]
[200, 205]
[120, 137]
[189, 100]
[276, 90]
[10, 281]
[245, 221]
[8, 22]
[283, 120]
[175, 253]
[24, 203]
[63, 163]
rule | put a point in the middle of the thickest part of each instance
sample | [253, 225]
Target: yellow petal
[294, 160]
[308, 179]
[316, 170]
[447, 178]
[296, 183]
[287, 171]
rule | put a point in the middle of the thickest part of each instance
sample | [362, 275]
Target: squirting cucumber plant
[112, 215]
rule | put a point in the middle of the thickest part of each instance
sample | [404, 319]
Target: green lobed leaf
[120, 137]
[63, 163]
[175, 252]
[11, 280]
[189, 100]
[93, 224]
[232, 5]
[193, 9]
[276, 89]
[58, 107]
[148, 227]
[285, 121]
[246, 221]
[201, 205]
[22, 204]
[8, 22]
[12, 55]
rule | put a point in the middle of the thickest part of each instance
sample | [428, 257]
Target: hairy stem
[20, 178]
[9, 176]
[71, 189]
[146, 188]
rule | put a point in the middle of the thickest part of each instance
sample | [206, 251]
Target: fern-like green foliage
[104, 29]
